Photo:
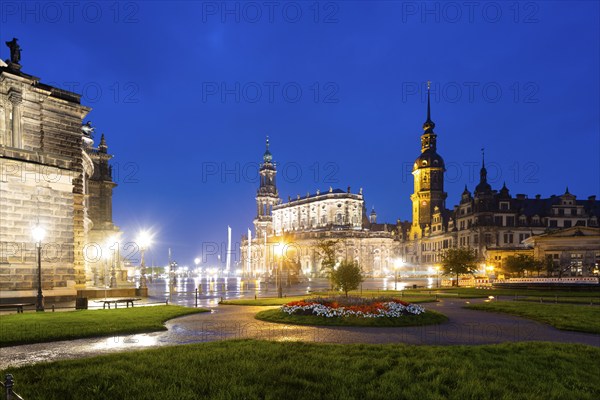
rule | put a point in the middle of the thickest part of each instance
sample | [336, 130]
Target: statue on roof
[87, 129]
[15, 51]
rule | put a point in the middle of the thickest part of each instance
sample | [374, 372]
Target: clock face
[424, 203]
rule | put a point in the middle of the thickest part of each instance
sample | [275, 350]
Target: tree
[347, 276]
[459, 261]
[326, 249]
[522, 262]
[561, 267]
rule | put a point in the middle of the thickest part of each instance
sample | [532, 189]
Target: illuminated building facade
[305, 221]
[492, 222]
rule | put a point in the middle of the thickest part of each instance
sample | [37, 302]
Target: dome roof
[429, 158]
[267, 157]
[483, 187]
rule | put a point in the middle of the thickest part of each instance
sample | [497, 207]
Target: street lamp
[144, 240]
[197, 261]
[490, 271]
[398, 263]
[39, 234]
[112, 281]
[279, 249]
[113, 273]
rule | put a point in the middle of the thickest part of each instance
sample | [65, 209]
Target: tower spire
[483, 186]
[267, 157]
[102, 147]
[429, 124]
[428, 101]
[483, 157]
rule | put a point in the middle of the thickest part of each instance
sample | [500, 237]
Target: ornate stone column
[17, 135]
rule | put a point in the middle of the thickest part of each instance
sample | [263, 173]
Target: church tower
[428, 173]
[267, 195]
[100, 186]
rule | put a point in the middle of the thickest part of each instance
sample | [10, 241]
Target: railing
[8, 385]
[580, 279]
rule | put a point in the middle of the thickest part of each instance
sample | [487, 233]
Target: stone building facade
[47, 178]
[303, 222]
[493, 222]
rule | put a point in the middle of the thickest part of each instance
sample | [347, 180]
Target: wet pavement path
[468, 327]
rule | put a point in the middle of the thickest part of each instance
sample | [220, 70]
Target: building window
[567, 223]
[553, 223]
[576, 264]
[504, 206]
[487, 238]
[510, 221]
[508, 238]
[498, 220]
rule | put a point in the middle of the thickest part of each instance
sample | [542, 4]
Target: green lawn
[295, 370]
[474, 292]
[582, 318]
[48, 326]
[278, 316]
[275, 301]
[572, 300]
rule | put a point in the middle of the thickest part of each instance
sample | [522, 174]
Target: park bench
[17, 306]
[127, 301]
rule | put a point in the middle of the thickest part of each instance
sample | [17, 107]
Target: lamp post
[437, 275]
[38, 234]
[197, 261]
[144, 240]
[490, 271]
[397, 265]
[113, 273]
[279, 248]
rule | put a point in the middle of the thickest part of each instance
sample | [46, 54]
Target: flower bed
[352, 307]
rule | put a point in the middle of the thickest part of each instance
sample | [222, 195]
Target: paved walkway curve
[469, 327]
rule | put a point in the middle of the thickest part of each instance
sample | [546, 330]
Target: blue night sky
[186, 93]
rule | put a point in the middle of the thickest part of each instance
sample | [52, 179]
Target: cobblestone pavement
[465, 327]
